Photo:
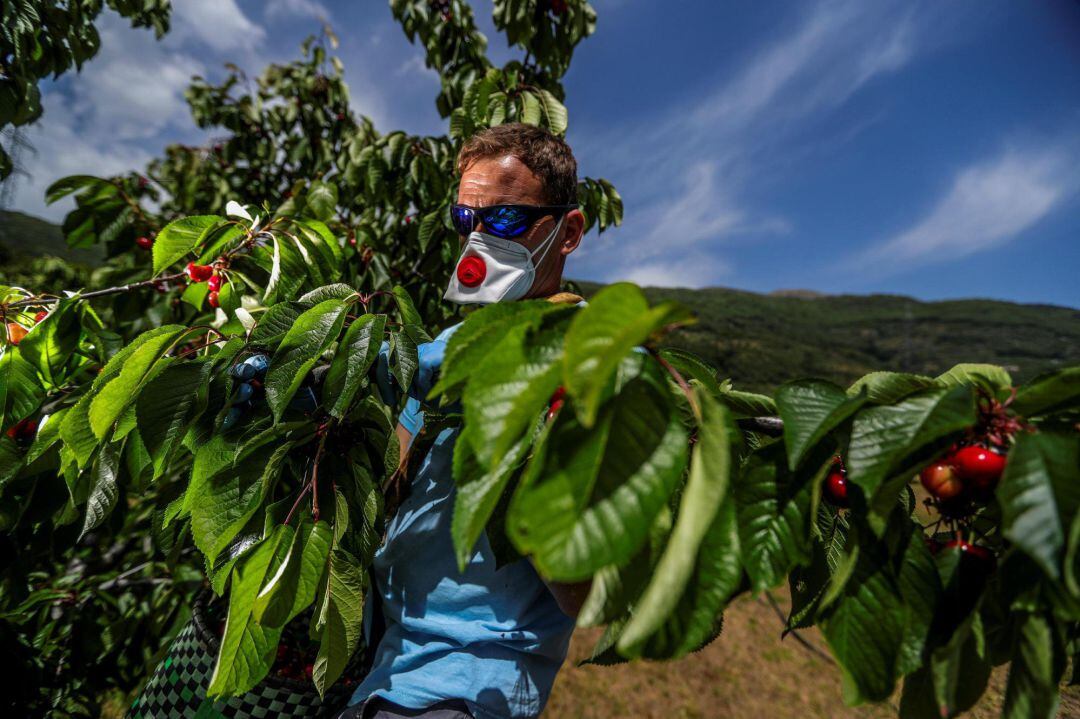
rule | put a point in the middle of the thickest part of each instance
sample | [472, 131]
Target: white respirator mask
[492, 269]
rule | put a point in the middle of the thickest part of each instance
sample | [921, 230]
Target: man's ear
[573, 229]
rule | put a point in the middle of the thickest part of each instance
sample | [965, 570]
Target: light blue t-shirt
[494, 638]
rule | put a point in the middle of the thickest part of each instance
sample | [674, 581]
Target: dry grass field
[747, 673]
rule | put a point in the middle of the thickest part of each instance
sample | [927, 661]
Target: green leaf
[341, 618]
[275, 323]
[478, 491]
[889, 387]
[76, 432]
[50, 343]
[278, 592]
[718, 576]
[747, 404]
[180, 237]
[706, 489]
[338, 291]
[1040, 496]
[1048, 393]
[247, 649]
[48, 434]
[223, 499]
[692, 367]
[616, 320]
[589, 496]
[1032, 691]
[512, 386]
[313, 564]
[113, 398]
[407, 312]
[774, 516]
[406, 356]
[355, 355]
[168, 405]
[530, 109]
[103, 490]
[882, 437]
[810, 410]
[322, 199]
[992, 378]
[960, 669]
[865, 629]
[20, 391]
[312, 333]
[557, 116]
[478, 335]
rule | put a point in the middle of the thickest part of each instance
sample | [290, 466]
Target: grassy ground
[747, 673]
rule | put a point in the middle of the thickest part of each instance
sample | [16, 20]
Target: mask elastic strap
[546, 245]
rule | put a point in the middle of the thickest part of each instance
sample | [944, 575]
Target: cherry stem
[203, 346]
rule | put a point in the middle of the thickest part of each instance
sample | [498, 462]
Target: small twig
[315, 478]
[680, 381]
[292, 510]
[798, 637]
[772, 426]
[41, 301]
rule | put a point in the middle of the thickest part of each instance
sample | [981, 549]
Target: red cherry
[23, 429]
[835, 488]
[556, 402]
[471, 271]
[309, 669]
[941, 480]
[558, 6]
[980, 554]
[979, 466]
[212, 299]
[554, 409]
[198, 273]
[40, 316]
[144, 242]
[214, 283]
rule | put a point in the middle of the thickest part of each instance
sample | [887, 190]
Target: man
[487, 642]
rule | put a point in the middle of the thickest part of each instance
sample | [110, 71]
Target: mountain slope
[762, 340]
[23, 235]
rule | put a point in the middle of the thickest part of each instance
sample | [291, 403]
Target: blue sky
[913, 147]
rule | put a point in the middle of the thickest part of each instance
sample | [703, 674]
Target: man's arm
[570, 597]
[404, 438]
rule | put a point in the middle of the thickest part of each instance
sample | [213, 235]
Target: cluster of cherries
[966, 472]
[212, 276]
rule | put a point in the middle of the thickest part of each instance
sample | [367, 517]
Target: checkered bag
[177, 689]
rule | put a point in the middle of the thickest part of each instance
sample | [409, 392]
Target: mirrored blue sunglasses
[503, 221]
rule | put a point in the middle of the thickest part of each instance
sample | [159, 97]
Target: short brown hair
[548, 156]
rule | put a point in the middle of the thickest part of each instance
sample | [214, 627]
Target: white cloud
[695, 270]
[301, 8]
[988, 204]
[219, 24]
[710, 156]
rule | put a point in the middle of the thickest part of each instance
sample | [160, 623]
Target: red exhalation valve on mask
[471, 271]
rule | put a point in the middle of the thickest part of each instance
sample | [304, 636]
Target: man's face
[507, 181]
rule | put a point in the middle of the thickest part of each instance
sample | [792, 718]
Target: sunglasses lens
[463, 219]
[506, 220]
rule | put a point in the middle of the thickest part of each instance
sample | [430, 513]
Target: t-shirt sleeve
[412, 417]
